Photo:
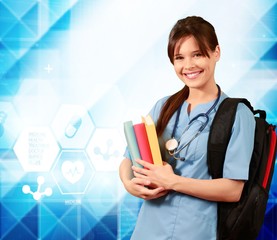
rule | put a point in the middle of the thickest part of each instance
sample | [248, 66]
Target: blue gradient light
[106, 62]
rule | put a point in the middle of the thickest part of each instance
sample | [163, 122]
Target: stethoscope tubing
[203, 126]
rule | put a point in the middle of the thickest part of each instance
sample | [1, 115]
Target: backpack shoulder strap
[220, 134]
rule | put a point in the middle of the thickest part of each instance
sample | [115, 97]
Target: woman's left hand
[159, 176]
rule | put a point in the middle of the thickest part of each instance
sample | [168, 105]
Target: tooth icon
[73, 126]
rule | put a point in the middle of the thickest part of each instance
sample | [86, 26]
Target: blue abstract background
[72, 71]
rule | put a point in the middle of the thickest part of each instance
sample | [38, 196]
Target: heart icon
[73, 171]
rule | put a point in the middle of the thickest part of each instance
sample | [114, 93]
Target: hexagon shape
[10, 125]
[36, 149]
[36, 102]
[72, 126]
[106, 149]
[73, 172]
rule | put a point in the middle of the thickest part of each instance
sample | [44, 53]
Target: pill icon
[73, 126]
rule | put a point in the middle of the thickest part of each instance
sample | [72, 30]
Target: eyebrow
[195, 51]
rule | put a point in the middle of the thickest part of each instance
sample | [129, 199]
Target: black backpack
[242, 220]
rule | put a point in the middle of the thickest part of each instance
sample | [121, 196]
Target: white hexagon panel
[73, 172]
[106, 149]
[36, 149]
[72, 126]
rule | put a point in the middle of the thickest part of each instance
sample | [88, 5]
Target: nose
[189, 64]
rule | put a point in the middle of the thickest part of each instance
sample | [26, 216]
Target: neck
[198, 95]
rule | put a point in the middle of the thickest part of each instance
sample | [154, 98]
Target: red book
[143, 143]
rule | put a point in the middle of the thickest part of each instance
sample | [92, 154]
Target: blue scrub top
[180, 216]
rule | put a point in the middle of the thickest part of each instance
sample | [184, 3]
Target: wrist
[173, 182]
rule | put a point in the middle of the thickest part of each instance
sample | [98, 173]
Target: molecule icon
[37, 194]
[107, 154]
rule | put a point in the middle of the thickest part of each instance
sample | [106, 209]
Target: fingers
[141, 181]
[144, 163]
[142, 188]
[142, 171]
[160, 194]
[139, 175]
[137, 169]
[154, 193]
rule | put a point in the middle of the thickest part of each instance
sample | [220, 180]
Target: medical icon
[73, 126]
[107, 154]
[48, 68]
[105, 148]
[37, 195]
[3, 117]
[73, 170]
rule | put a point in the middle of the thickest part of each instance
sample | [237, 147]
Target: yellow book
[153, 139]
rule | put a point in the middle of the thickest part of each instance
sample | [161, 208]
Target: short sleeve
[156, 109]
[127, 153]
[240, 148]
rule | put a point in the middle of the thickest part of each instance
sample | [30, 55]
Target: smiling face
[194, 68]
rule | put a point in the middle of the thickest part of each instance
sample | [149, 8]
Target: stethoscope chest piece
[171, 145]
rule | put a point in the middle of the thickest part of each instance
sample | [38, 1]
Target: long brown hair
[205, 36]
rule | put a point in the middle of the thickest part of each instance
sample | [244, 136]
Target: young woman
[180, 196]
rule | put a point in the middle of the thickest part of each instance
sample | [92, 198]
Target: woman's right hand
[138, 187]
[142, 188]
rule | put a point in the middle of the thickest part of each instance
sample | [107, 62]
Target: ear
[217, 53]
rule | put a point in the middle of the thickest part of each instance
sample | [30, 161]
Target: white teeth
[192, 75]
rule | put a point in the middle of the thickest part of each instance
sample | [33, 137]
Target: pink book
[143, 143]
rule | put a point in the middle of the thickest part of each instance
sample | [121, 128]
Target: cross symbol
[48, 68]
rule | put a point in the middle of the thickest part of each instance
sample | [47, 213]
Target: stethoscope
[172, 144]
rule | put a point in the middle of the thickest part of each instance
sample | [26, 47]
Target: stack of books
[142, 141]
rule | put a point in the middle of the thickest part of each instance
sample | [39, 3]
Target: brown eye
[178, 58]
[197, 55]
